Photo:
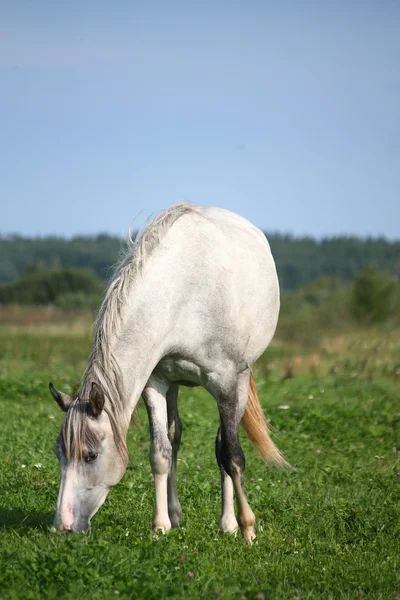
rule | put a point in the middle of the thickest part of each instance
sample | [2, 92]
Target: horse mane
[102, 366]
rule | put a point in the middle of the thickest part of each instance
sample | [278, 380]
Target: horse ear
[63, 400]
[96, 399]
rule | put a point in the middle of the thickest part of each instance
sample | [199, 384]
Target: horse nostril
[65, 528]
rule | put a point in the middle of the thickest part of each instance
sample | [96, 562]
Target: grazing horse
[194, 302]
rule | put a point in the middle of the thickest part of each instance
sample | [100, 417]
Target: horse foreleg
[174, 436]
[154, 396]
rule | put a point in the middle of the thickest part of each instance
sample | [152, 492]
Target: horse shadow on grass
[23, 521]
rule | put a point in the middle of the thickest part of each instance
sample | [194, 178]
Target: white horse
[194, 302]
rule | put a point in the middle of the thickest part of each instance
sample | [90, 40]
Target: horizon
[286, 114]
[268, 234]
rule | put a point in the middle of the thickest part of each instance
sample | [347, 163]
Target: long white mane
[102, 366]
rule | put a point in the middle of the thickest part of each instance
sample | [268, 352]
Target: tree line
[319, 300]
[299, 260]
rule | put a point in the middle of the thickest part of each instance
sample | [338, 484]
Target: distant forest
[298, 260]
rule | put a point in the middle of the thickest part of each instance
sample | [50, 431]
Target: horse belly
[181, 370]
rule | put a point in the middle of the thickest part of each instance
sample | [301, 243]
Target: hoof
[228, 525]
[175, 515]
[175, 520]
[249, 534]
[164, 527]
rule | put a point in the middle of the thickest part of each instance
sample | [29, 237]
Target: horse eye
[91, 456]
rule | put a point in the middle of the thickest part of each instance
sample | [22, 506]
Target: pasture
[329, 529]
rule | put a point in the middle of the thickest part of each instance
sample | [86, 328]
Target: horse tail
[256, 427]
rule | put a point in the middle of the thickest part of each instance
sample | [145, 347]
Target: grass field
[328, 530]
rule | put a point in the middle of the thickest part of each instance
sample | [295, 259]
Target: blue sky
[286, 112]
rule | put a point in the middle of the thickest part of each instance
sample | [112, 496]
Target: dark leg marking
[230, 454]
[174, 436]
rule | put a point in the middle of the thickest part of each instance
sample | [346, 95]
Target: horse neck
[126, 357]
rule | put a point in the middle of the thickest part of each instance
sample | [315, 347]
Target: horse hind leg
[174, 436]
[231, 408]
[228, 522]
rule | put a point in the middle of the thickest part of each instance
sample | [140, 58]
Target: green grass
[328, 530]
